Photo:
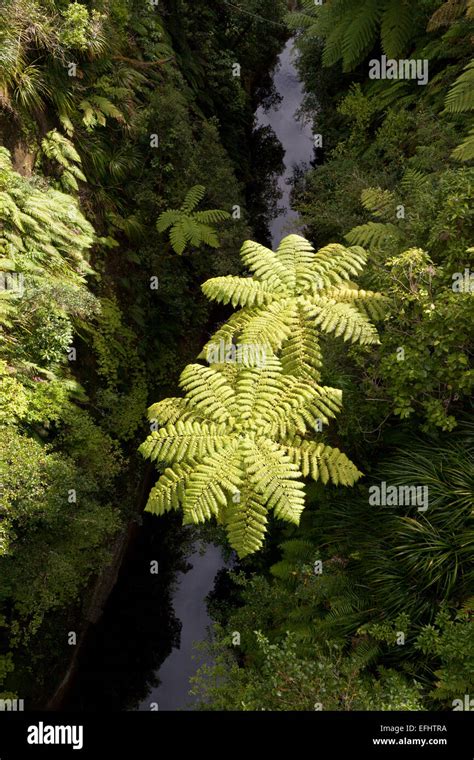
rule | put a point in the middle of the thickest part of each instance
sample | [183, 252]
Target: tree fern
[293, 296]
[360, 35]
[189, 227]
[350, 29]
[239, 445]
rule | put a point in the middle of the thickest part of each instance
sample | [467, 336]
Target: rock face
[23, 158]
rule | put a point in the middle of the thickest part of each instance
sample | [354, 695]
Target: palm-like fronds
[350, 27]
[57, 147]
[413, 560]
[42, 228]
[238, 446]
[294, 295]
[190, 227]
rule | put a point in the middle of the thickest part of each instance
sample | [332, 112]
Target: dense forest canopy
[326, 380]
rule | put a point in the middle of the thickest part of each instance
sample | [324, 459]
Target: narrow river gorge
[139, 656]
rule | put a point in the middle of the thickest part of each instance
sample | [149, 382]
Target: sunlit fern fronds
[42, 227]
[236, 450]
[293, 295]
[58, 148]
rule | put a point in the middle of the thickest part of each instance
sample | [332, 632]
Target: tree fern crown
[239, 444]
[292, 296]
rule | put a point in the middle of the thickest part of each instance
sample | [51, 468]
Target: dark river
[141, 651]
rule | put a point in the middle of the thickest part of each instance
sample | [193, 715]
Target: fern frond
[190, 229]
[271, 326]
[360, 36]
[210, 483]
[167, 219]
[460, 98]
[183, 441]
[379, 202]
[465, 151]
[212, 216]
[246, 522]
[275, 477]
[414, 181]
[301, 353]
[335, 263]
[297, 256]
[345, 321]
[372, 305]
[334, 41]
[208, 392]
[172, 410]
[107, 107]
[256, 390]
[207, 236]
[266, 265]
[225, 335]
[372, 234]
[321, 462]
[168, 493]
[178, 238]
[239, 291]
[193, 197]
[396, 28]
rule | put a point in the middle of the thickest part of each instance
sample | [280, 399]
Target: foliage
[237, 447]
[375, 588]
[292, 297]
[351, 29]
[190, 227]
[451, 640]
[29, 32]
[282, 680]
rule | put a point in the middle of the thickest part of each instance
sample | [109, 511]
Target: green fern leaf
[168, 493]
[465, 151]
[460, 98]
[193, 197]
[397, 27]
[237, 291]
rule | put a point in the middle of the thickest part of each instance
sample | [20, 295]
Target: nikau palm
[239, 445]
[294, 295]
